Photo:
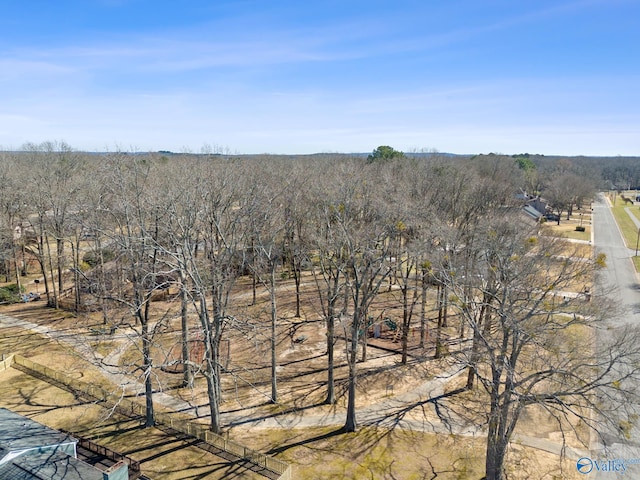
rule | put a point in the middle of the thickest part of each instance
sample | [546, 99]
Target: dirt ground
[162, 456]
[314, 450]
[567, 228]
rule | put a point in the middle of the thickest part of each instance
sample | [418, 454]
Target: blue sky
[462, 76]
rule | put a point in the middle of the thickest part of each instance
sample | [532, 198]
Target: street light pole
[637, 240]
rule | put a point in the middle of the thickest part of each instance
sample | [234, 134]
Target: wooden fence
[177, 422]
[133, 466]
[6, 362]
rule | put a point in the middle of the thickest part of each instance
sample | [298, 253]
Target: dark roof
[32, 451]
[18, 432]
[54, 465]
[531, 211]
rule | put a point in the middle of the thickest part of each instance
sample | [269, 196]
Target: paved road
[620, 283]
[619, 278]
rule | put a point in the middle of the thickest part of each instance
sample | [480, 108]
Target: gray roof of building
[18, 433]
[532, 211]
[49, 466]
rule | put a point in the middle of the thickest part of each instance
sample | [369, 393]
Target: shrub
[9, 293]
[13, 288]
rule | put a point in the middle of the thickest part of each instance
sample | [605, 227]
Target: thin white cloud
[154, 55]
[15, 68]
[307, 122]
[206, 84]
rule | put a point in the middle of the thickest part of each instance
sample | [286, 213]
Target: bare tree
[187, 196]
[12, 210]
[96, 228]
[138, 215]
[331, 278]
[226, 206]
[56, 168]
[529, 347]
[295, 241]
[559, 196]
[267, 233]
[404, 271]
[362, 230]
[206, 245]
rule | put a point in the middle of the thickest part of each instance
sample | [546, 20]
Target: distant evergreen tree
[384, 153]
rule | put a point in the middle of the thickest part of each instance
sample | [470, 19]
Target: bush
[13, 288]
[10, 294]
[580, 229]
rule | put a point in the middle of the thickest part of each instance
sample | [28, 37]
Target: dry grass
[630, 233]
[163, 456]
[314, 452]
[373, 453]
[567, 228]
[624, 221]
[396, 454]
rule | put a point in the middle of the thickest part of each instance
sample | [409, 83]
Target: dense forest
[111, 230]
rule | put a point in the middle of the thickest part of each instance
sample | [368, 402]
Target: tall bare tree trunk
[474, 357]
[296, 279]
[331, 395]
[23, 268]
[187, 374]
[406, 320]
[254, 274]
[16, 268]
[103, 286]
[496, 452]
[254, 287]
[60, 263]
[274, 321]
[362, 332]
[423, 309]
[43, 269]
[214, 402]
[440, 324]
[53, 281]
[211, 370]
[351, 424]
[149, 418]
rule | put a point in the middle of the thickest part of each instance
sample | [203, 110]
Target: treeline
[120, 228]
